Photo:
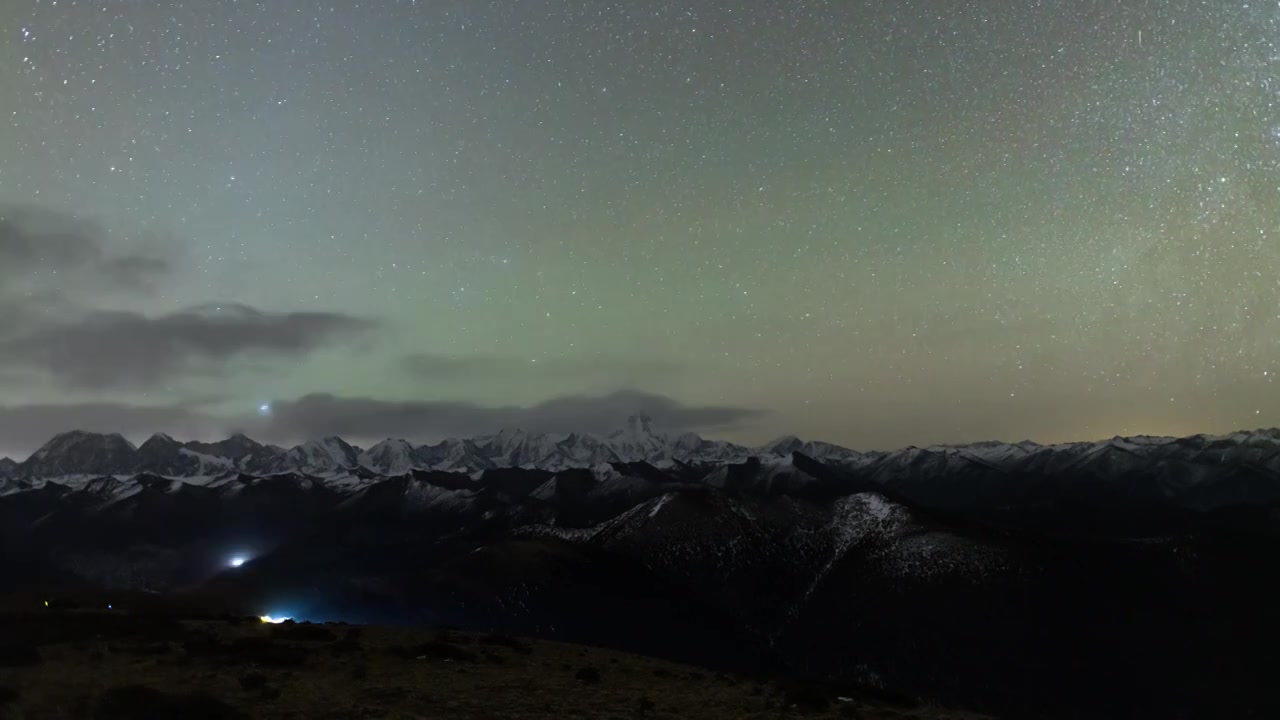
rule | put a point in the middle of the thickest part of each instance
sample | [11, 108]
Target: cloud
[103, 350]
[55, 270]
[609, 369]
[25, 428]
[50, 243]
[367, 419]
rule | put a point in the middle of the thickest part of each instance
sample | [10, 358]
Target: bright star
[237, 561]
[264, 409]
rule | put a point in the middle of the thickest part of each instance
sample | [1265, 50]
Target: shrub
[588, 676]
[129, 702]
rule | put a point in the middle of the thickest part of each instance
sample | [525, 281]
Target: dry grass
[253, 670]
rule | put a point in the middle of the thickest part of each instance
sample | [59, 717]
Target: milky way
[876, 223]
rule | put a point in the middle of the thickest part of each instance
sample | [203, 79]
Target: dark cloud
[37, 240]
[103, 350]
[364, 419]
[54, 270]
[25, 428]
[607, 369]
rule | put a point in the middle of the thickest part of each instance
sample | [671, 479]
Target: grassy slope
[249, 669]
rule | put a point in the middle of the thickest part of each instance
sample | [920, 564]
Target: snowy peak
[454, 454]
[638, 441]
[692, 448]
[585, 450]
[240, 452]
[82, 453]
[81, 440]
[319, 457]
[163, 455]
[159, 441]
[392, 456]
[8, 467]
[787, 445]
[517, 448]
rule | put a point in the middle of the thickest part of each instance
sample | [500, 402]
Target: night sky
[875, 223]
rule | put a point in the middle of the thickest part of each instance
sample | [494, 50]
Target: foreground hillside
[109, 666]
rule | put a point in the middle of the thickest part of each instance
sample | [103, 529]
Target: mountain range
[1201, 472]
[1121, 578]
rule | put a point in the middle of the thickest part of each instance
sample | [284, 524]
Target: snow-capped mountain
[516, 448]
[581, 450]
[79, 453]
[162, 455]
[638, 441]
[391, 457]
[8, 467]
[244, 453]
[83, 453]
[786, 445]
[320, 457]
[455, 454]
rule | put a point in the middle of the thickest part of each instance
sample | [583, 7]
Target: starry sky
[875, 223]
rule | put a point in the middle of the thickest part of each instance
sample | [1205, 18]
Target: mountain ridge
[80, 453]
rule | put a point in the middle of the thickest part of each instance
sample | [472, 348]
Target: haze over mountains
[1120, 578]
